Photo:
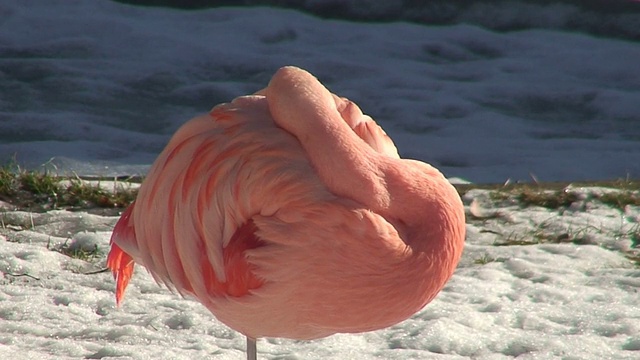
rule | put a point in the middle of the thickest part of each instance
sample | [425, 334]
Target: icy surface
[568, 291]
[100, 86]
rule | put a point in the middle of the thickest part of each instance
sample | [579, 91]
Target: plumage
[289, 213]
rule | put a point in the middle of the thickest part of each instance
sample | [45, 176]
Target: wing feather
[194, 213]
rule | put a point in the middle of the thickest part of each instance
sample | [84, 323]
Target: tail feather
[119, 262]
[121, 265]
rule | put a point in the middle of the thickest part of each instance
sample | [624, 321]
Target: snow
[573, 296]
[97, 88]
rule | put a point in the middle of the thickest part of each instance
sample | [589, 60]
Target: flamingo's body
[290, 214]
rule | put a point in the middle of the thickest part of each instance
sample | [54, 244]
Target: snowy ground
[573, 295]
[100, 86]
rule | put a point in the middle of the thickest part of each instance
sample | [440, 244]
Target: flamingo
[288, 213]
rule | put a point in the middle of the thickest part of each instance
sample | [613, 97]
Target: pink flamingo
[290, 214]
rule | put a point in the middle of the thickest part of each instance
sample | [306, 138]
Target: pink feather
[290, 214]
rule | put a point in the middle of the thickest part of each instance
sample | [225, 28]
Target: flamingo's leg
[252, 352]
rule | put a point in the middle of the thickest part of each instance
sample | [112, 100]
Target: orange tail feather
[121, 265]
[119, 262]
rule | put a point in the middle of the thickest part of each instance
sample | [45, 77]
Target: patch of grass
[8, 183]
[484, 259]
[621, 199]
[76, 252]
[517, 239]
[516, 242]
[620, 184]
[534, 195]
[543, 235]
[547, 199]
[634, 258]
[39, 184]
[556, 195]
[578, 237]
[79, 193]
[498, 195]
[86, 255]
[41, 191]
[635, 237]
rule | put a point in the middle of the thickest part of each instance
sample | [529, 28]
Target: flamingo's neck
[413, 196]
[430, 215]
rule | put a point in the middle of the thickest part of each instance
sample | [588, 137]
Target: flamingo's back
[234, 213]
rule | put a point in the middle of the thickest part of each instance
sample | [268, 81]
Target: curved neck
[412, 195]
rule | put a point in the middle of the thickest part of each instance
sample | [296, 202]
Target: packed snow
[97, 88]
[574, 295]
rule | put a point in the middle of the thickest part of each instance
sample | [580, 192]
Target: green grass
[634, 258]
[578, 237]
[78, 193]
[42, 191]
[484, 259]
[557, 195]
[79, 253]
[622, 199]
